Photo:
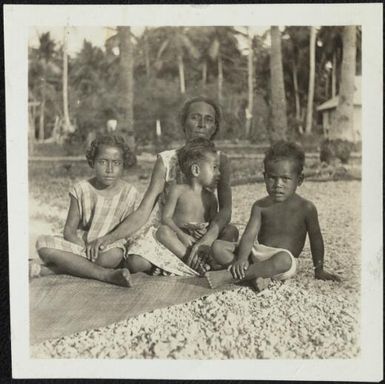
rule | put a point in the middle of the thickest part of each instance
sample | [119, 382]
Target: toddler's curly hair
[193, 152]
[129, 159]
[285, 150]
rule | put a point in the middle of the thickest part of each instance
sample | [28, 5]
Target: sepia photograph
[196, 193]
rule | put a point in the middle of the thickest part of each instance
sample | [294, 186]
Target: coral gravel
[301, 318]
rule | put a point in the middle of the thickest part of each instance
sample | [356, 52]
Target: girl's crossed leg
[103, 268]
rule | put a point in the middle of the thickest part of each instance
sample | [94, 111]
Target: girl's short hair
[201, 99]
[193, 152]
[129, 159]
[285, 150]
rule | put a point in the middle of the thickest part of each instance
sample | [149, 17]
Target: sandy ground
[302, 318]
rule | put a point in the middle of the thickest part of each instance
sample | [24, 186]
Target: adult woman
[200, 117]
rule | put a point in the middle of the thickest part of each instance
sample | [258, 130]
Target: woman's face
[200, 121]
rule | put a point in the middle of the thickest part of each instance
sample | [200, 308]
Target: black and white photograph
[194, 191]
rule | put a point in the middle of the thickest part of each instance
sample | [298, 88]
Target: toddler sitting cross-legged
[276, 232]
[190, 207]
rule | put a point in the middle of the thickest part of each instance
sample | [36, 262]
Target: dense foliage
[174, 63]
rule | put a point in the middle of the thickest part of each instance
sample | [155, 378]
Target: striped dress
[99, 215]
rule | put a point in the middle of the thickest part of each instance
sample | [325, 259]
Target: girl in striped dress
[97, 206]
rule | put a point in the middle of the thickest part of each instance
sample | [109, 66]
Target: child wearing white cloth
[276, 232]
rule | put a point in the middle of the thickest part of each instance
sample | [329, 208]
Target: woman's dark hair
[193, 152]
[117, 141]
[201, 99]
[285, 150]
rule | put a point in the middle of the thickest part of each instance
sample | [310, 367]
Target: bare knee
[163, 232]
[136, 263]
[45, 255]
[221, 253]
[110, 258]
[282, 262]
[229, 233]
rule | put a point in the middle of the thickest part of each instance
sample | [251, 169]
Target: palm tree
[278, 100]
[176, 45]
[67, 127]
[331, 39]
[43, 74]
[250, 83]
[223, 45]
[126, 80]
[310, 98]
[341, 136]
[342, 126]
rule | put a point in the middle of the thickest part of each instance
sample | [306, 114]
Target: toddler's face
[209, 170]
[200, 121]
[282, 179]
[108, 165]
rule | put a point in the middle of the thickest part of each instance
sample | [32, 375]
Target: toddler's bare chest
[283, 219]
[193, 204]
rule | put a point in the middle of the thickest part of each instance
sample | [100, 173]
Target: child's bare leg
[169, 239]
[72, 264]
[110, 258]
[229, 233]
[222, 253]
[279, 263]
[137, 263]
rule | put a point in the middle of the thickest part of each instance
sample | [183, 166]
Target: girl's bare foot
[260, 283]
[218, 278]
[34, 269]
[120, 277]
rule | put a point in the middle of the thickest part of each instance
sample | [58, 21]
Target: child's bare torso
[283, 224]
[193, 207]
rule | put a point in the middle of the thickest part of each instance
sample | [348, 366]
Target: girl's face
[200, 121]
[108, 165]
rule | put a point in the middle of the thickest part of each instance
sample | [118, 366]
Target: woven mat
[62, 305]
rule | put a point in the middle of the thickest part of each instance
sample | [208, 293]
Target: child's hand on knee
[186, 239]
[238, 269]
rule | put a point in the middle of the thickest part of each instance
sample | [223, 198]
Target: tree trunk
[298, 115]
[67, 125]
[310, 98]
[42, 112]
[146, 55]
[126, 107]
[31, 129]
[342, 129]
[220, 78]
[249, 116]
[342, 125]
[278, 100]
[334, 75]
[204, 73]
[181, 74]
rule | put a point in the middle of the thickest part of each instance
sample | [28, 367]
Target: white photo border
[17, 21]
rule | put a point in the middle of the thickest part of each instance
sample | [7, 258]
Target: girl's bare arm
[72, 223]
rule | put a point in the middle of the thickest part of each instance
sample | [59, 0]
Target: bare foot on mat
[34, 269]
[260, 283]
[218, 278]
[120, 277]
